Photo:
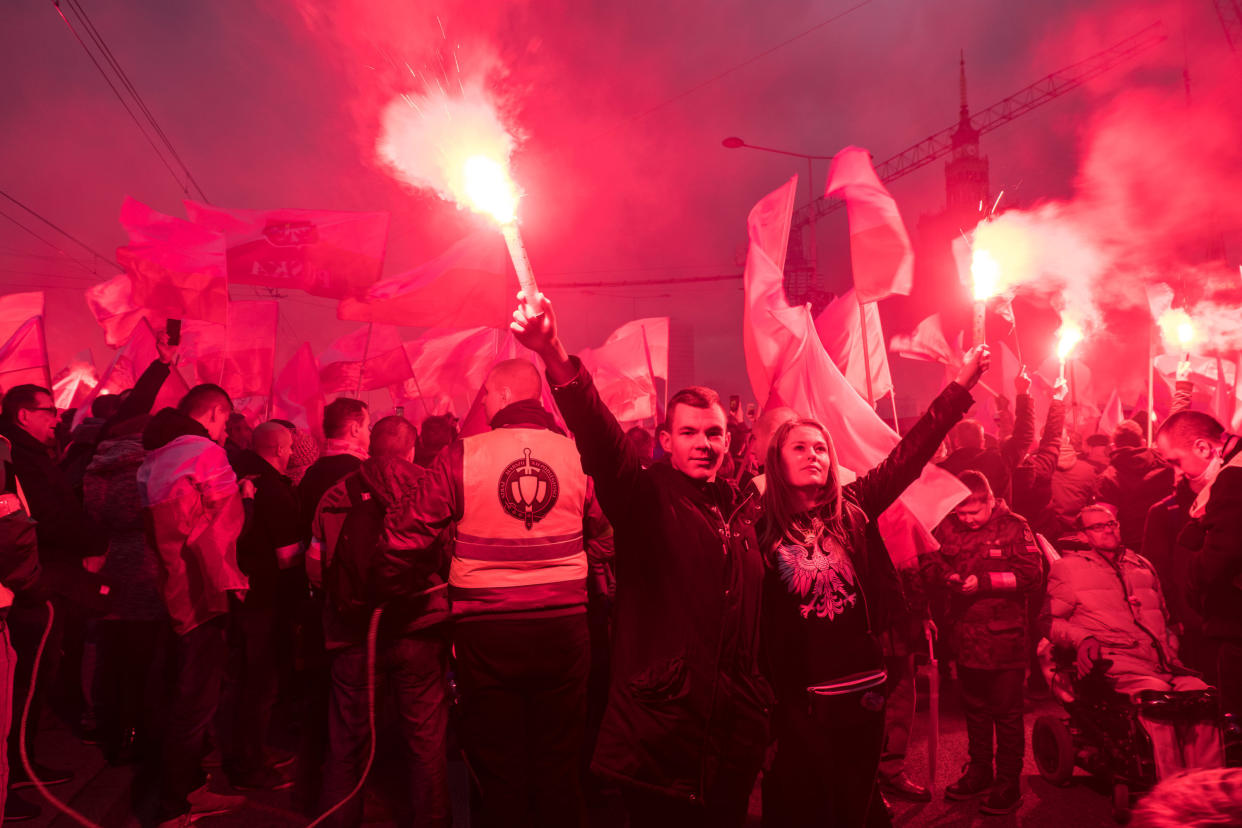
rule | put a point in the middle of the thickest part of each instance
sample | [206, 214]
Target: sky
[620, 109]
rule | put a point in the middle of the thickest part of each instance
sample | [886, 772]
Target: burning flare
[1068, 338]
[490, 188]
[984, 274]
[1177, 330]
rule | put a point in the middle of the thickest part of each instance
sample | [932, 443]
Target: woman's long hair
[781, 505]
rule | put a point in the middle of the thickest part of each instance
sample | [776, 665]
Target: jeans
[993, 703]
[898, 714]
[198, 661]
[417, 666]
[523, 707]
[824, 773]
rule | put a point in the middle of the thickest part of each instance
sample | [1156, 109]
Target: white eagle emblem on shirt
[822, 576]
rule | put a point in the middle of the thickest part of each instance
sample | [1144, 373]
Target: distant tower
[966, 174]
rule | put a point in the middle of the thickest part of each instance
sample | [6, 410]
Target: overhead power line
[186, 179]
[58, 229]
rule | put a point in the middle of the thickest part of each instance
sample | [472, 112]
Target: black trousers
[128, 678]
[993, 703]
[198, 661]
[824, 772]
[262, 636]
[26, 625]
[523, 712]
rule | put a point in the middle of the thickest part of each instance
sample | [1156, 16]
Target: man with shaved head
[520, 504]
[270, 553]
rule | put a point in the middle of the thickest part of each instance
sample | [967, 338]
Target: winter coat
[412, 587]
[193, 515]
[1134, 480]
[806, 643]
[989, 625]
[1216, 537]
[686, 696]
[1118, 604]
[269, 549]
[322, 475]
[110, 486]
[1072, 489]
[1032, 479]
[1165, 522]
[987, 461]
[19, 546]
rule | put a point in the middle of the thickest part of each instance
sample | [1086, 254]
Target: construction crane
[1230, 14]
[995, 116]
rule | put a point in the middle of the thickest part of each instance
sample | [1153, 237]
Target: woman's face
[806, 457]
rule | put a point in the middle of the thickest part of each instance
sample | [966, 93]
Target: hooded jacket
[113, 501]
[1134, 481]
[1216, 538]
[193, 515]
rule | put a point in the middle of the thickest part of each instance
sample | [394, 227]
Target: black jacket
[1216, 568]
[274, 522]
[1134, 481]
[687, 696]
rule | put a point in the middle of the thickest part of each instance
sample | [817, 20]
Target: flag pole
[892, 400]
[362, 366]
[47, 361]
[1151, 380]
[862, 318]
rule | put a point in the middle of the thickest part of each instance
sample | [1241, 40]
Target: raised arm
[607, 456]
[1015, 448]
[877, 489]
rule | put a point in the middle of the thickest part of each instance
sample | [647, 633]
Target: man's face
[975, 512]
[806, 458]
[1102, 530]
[1191, 460]
[217, 424]
[698, 441]
[239, 431]
[360, 432]
[40, 421]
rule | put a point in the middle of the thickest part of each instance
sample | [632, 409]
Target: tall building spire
[964, 112]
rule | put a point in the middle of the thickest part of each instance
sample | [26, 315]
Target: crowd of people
[669, 615]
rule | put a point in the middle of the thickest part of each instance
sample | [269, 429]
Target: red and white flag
[127, 366]
[176, 268]
[322, 252]
[880, 251]
[1112, 415]
[23, 342]
[240, 356]
[467, 286]
[448, 368]
[75, 381]
[298, 395]
[840, 328]
[789, 366]
[625, 367]
[342, 369]
[113, 306]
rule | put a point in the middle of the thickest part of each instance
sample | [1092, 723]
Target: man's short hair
[695, 396]
[1184, 427]
[1128, 435]
[338, 414]
[21, 398]
[980, 488]
[437, 432]
[202, 398]
[393, 436]
[1106, 508]
[969, 434]
[1098, 439]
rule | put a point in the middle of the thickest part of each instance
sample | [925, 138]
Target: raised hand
[976, 362]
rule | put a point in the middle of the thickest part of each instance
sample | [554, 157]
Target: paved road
[104, 793]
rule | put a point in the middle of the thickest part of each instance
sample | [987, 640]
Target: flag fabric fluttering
[297, 394]
[626, 366]
[23, 342]
[927, 343]
[1112, 415]
[447, 367]
[789, 366]
[880, 251]
[240, 356]
[467, 286]
[371, 357]
[113, 306]
[134, 357]
[74, 383]
[840, 330]
[176, 268]
[325, 253]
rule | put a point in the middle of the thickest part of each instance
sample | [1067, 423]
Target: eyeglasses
[1100, 527]
[50, 409]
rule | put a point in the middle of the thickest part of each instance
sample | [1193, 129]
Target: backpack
[348, 578]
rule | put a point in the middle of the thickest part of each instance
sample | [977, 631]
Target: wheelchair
[1101, 732]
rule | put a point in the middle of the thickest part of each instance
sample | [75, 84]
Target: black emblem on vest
[528, 489]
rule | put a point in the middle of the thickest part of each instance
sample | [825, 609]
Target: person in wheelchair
[1105, 604]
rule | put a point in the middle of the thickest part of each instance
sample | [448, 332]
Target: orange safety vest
[519, 542]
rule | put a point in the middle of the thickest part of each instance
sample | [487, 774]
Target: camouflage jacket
[989, 625]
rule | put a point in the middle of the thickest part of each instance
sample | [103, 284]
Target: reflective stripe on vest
[519, 542]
